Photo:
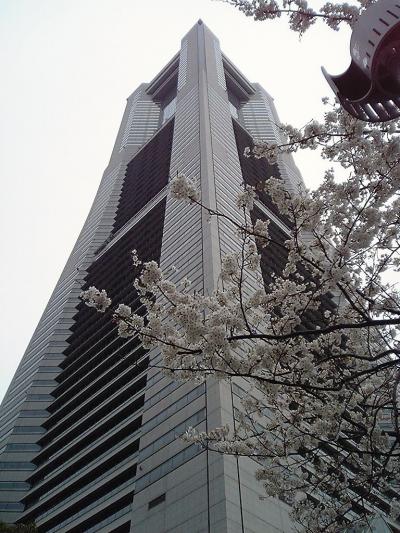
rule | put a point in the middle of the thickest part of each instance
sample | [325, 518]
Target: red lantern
[370, 88]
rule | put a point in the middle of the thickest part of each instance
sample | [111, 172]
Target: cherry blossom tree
[301, 16]
[317, 344]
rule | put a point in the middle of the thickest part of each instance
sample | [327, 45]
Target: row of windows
[44, 383]
[19, 397]
[34, 413]
[169, 110]
[116, 461]
[8, 506]
[13, 401]
[14, 485]
[11, 414]
[38, 369]
[233, 110]
[89, 370]
[156, 501]
[87, 448]
[87, 468]
[21, 447]
[39, 398]
[101, 525]
[16, 390]
[169, 465]
[171, 409]
[171, 435]
[156, 378]
[91, 506]
[91, 335]
[107, 385]
[20, 465]
[239, 391]
[83, 489]
[28, 430]
[93, 368]
[66, 463]
[22, 430]
[163, 392]
[91, 427]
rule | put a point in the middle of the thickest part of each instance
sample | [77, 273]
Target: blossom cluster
[183, 188]
[96, 298]
[301, 15]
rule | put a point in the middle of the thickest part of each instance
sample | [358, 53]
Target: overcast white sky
[67, 67]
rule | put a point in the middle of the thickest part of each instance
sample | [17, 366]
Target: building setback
[90, 424]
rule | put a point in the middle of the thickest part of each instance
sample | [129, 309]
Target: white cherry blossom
[97, 299]
[183, 188]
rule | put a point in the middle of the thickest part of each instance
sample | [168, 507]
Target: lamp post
[370, 88]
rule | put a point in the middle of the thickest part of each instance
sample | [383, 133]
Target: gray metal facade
[176, 487]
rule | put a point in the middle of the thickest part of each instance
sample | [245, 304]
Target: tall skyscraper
[90, 426]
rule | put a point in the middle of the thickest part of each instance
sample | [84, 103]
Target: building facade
[90, 425]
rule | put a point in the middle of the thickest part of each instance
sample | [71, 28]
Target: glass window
[171, 435]
[14, 485]
[175, 407]
[156, 501]
[39, 398]
[234, 111]
[17, 466]
[8, 506]
[169, 110]
[48, 369]
[17, 447]
[28, 430]
[110, 519]
[168, 466]
[34, 413]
